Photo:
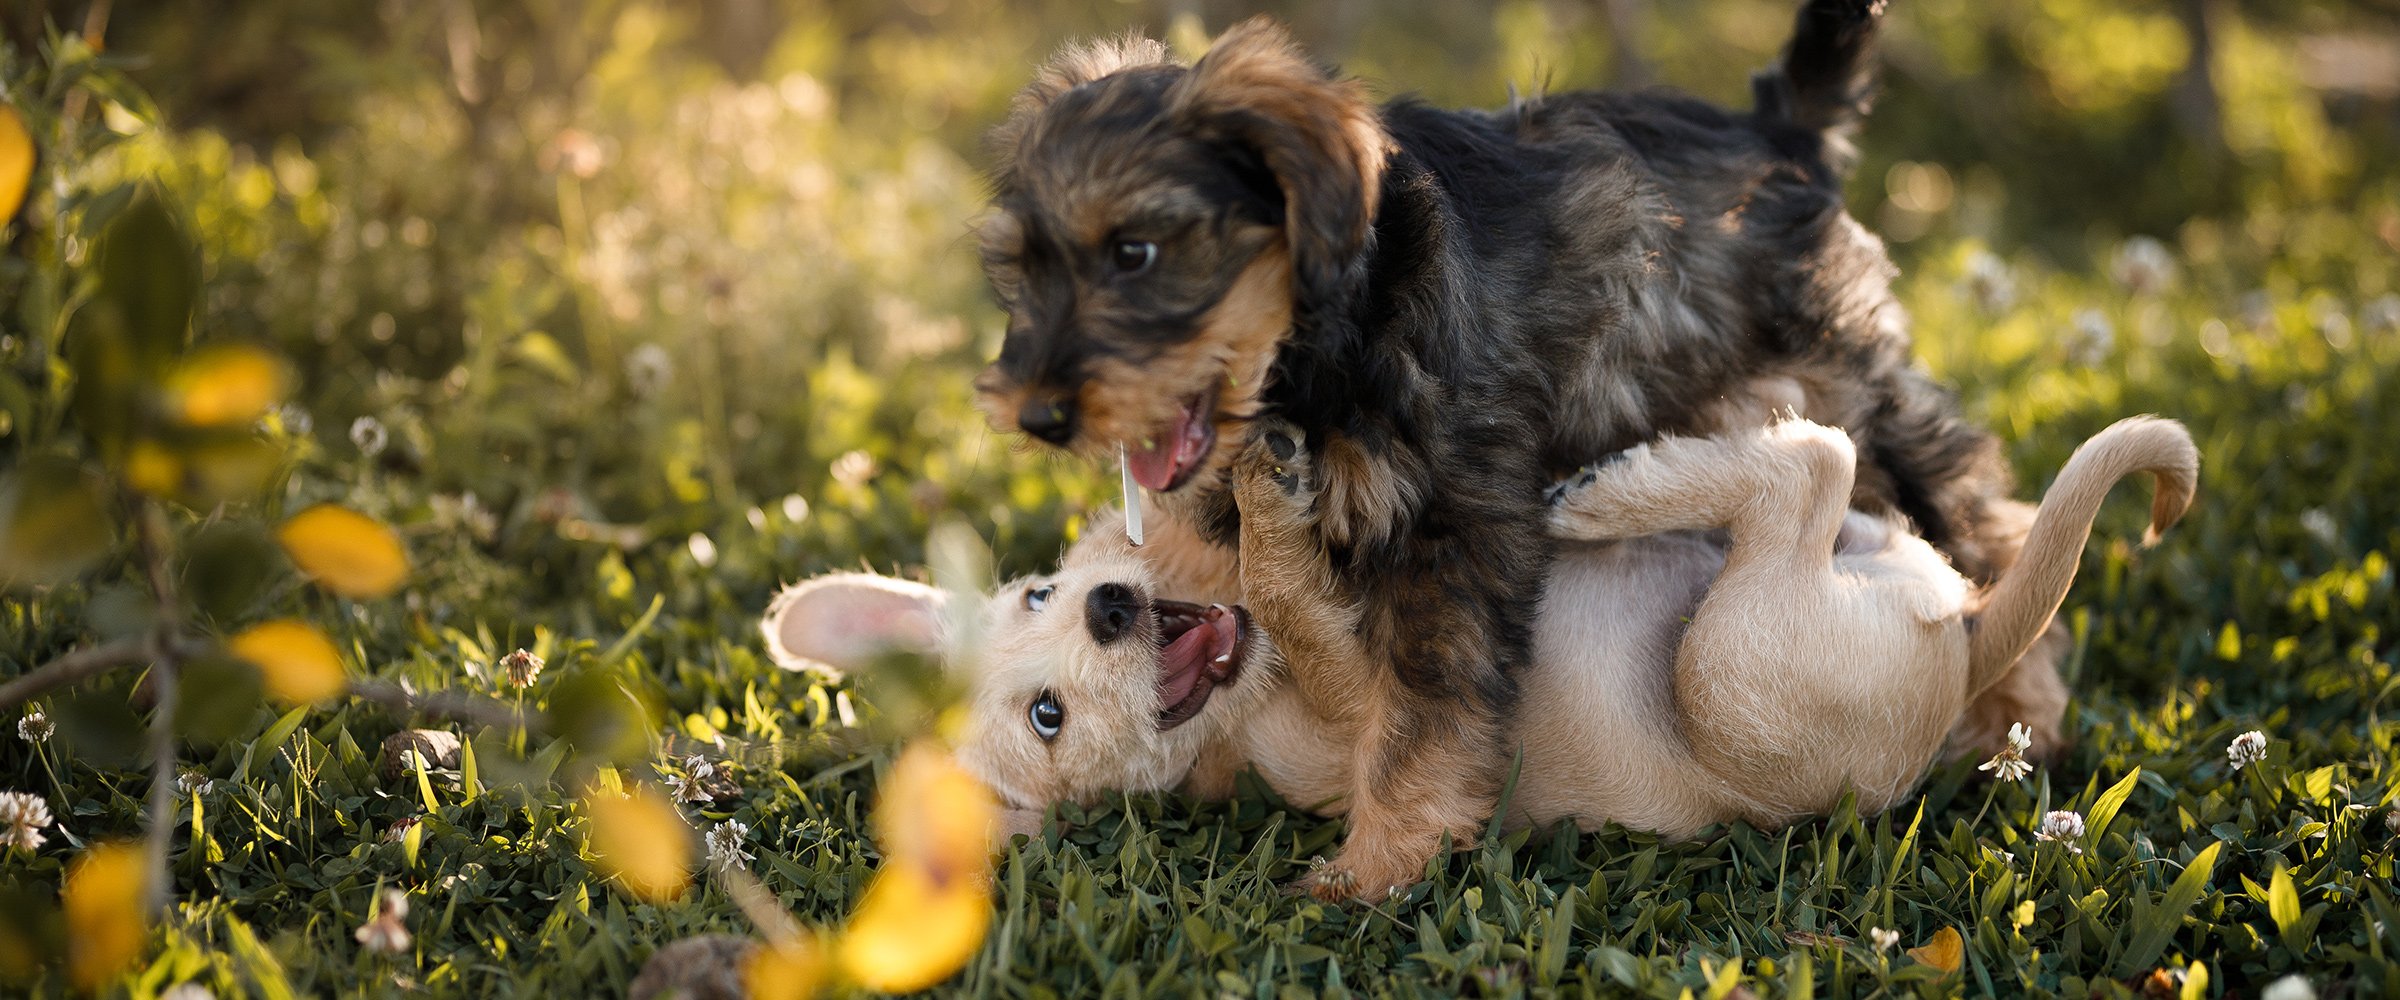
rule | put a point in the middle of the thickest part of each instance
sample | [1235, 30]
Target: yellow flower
[1942, 951]
[926, 913]
[791, 970]
[16, 162]
[345, 551]
[103, 903]
[226, 386]
[641, 840]
[300, 666]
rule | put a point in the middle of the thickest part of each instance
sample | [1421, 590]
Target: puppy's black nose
[1109, 612]
[1051, 418]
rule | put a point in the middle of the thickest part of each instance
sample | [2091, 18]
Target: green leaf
[2104, 808]
[54, 521]
[2158, 926]
[150, 277]
[2283, 900]
[216, 697]
[227, 565]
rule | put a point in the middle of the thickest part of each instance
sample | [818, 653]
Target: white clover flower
[702, 549]
[1989, 282]
[194, 781]
[2092, 339]
[2292, 987]
[698, 767]
[725, 846]
[648, 370]
[2246, 749]
[2009, 764]
[521, 667]
[22, 817]
[2320, 525]
[188, 991]
[2143, 265]
[387, 931]
[2383, 314]
[35, 727]
[2391, 821]
[1883, 938]
[369, 435]
[853, 468]
[2064, 826]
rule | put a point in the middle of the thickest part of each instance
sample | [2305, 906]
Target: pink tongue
[1180, 663]
[1155, 467]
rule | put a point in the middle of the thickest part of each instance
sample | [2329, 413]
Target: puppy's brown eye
[1038, 598]
[1134, 256]
[1047, 716]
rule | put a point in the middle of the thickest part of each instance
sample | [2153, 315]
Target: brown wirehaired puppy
[1455, 307]
[1682, 676]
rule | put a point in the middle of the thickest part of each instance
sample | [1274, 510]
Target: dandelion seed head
[521, 667]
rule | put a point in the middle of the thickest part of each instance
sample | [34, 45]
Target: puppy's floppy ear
[1076, 64]
[845, 620]
[1317, 134]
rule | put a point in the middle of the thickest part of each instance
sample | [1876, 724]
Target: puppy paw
[1560, 492]
[1589, 505]
[1348, 879]
[1275, 473]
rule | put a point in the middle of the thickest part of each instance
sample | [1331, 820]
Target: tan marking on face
[1133, 403]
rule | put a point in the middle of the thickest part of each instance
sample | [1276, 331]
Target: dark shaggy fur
[1476, 302]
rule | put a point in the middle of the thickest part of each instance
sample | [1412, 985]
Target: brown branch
[452, 705]
[81, 664]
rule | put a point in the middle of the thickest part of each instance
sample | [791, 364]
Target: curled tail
[2018, 607]
[1825, 81]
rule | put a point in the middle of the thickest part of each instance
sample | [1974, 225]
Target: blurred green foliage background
[607, 302]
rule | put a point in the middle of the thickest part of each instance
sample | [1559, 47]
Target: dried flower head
[725, 846]
[2063, 826]
[521, 667]
[387, 931]
[1883, 938]
[2247, 749]
[2009, 764]
[22, 817]
[193, 781]
[35, 727]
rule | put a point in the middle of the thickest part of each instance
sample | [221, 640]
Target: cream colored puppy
[1721, 638]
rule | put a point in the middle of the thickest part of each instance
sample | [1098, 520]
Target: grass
[810, 318]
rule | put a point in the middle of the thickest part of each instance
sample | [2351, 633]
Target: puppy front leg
[1286, 582]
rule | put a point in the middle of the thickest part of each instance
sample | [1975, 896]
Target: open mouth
[1167, 461]
[1198, 649]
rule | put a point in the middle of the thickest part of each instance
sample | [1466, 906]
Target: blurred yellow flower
[152, 469]
[927, 911]
[790, 970]
[103, 903]
[345, 551]
[227, 385]
[642, 841]
[1943, 951]
[300, 666]
[16, 161]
